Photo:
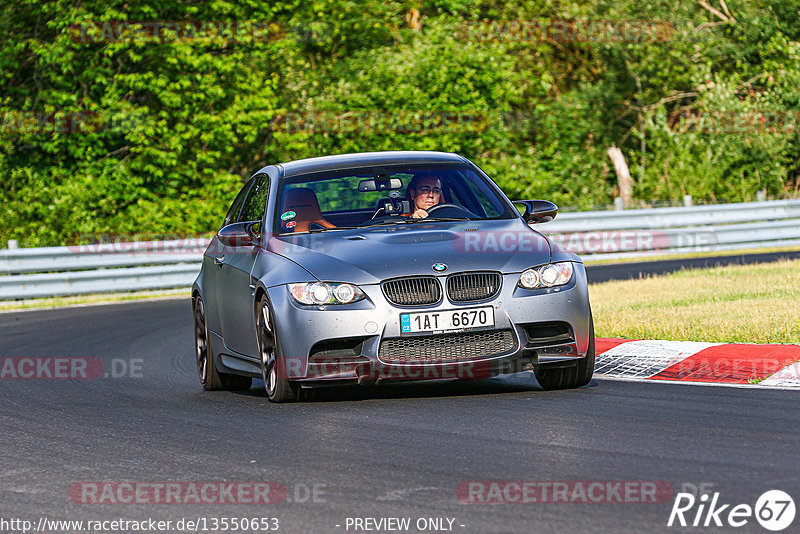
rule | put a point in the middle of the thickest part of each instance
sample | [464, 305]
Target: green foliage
[156, 135]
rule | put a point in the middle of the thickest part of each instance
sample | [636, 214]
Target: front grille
[445, 348]
[413, 291]
[472, 286]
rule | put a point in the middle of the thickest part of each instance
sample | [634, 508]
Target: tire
[273, 365]
[574, 376]
[210, 378]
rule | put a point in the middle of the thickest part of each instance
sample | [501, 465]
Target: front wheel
[210, 378]
[573, 376]
[273, 364]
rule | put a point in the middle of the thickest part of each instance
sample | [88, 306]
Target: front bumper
[343, 342]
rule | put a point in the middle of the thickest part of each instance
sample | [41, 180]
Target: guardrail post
[761, 195]
[13, 244]
[687, 201]
[619, 204]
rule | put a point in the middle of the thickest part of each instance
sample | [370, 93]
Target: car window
[488, 201]
[342, 193]
[332, 199]
[256, 202]
[236, 207]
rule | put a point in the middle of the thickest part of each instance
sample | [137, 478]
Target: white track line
[788, 377]
[687, 383]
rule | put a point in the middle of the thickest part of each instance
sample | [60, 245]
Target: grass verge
[731, 304]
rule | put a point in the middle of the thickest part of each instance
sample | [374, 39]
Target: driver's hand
[419, 214]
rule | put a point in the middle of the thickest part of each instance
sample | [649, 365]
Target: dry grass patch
[739, 304]
[86, 300]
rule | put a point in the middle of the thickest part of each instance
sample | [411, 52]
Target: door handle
[218, 261]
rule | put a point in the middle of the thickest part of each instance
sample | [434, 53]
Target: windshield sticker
[291, 224]
[288, 215]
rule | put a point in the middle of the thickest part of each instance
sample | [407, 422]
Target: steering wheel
[461, 211]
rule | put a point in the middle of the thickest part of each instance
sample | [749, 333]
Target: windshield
[385, 196]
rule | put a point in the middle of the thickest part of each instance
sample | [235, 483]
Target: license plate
[446, 321]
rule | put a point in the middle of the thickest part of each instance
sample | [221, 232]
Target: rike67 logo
[774, 510]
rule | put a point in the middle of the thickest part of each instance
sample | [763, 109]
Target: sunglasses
[426, 190]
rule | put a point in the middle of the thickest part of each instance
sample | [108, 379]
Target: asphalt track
[624, 271]
[390, 451]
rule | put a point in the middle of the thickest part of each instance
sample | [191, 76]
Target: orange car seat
[303, 201]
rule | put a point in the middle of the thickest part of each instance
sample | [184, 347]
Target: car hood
[370, 255]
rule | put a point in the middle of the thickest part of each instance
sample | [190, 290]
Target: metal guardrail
[100, 268]
[102, 255]
[152, 265]
[645, 232]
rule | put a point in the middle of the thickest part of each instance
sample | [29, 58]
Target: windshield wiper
[323, 229]
[436, 219]
[410, 220]
[378, 222]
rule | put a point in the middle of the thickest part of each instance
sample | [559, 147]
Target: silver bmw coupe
[385, 266]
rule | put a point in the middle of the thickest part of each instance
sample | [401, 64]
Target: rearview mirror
[238, 234]
[538, 211]
[380, 185]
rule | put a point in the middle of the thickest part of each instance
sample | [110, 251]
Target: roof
[366, 159]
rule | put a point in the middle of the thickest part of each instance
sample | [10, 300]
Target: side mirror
[238, 235]
[538, 211]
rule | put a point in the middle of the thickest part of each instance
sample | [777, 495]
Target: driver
[424, 192]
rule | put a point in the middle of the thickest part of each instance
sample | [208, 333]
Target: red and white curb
[691, 361]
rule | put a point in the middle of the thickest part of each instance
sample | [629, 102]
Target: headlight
[325, 293]
[550, 275]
